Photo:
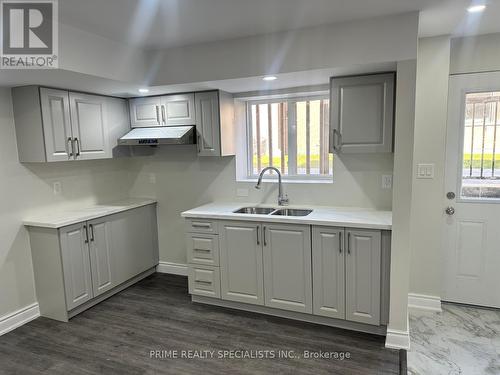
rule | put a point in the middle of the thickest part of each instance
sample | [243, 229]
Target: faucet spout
[282, 199]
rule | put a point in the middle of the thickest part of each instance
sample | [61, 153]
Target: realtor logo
[28, 34]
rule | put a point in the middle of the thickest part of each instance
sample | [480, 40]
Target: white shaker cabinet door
[56, 124]
[76, 264]
[363, 264]
[241, 262]
[287, 267]
[145, 112]
[89, 126]
[100, 256]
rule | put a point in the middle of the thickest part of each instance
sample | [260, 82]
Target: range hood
[164, 135]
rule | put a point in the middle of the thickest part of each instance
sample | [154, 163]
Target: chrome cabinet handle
[86, 234]
[199, 143]
[72, 147]
[348, 242]
[204, 282]
[163, 114]
[202, 250]
[264, 235]
[200, 225]
[158, 114]
[91, 232]
[337, 145]
[258, 239]
[77, 142]
[340, 242]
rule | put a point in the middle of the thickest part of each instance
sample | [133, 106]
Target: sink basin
[255, 210]
[291, 212]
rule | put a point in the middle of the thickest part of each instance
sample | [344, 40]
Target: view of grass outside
[272, 133]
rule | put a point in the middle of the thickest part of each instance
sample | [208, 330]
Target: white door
[76, 264]
[100, 256]
[287, 267]
[56, 125]
[471, 241]
[89, 127]
[362, 270]
[145, 112]
[328, 270]
[241, 266]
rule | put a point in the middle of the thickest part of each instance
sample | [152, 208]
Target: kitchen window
[291, 134]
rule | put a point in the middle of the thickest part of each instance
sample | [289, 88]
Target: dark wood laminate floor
[116, 337]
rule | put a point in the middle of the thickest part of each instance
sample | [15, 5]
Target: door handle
[77, 142]
[91, 232]
[337, 145]
[70, 154]
[449, 210]
[86, 234]
[163, 117]
[157, 114]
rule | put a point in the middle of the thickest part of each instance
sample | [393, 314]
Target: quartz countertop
[63, 218]
[350, 217]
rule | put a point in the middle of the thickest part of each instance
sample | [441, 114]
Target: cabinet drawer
[203, 249]
[201, 226]
[204, 281]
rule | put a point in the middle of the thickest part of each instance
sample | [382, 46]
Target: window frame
[292, 137]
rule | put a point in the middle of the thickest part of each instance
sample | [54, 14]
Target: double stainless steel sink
[273, 211]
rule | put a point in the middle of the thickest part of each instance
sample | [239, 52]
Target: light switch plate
[425, 170]
[57, 187]
[387, 181]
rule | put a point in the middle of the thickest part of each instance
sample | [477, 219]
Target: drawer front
[204, 281]
[203, 249]
[202, 226]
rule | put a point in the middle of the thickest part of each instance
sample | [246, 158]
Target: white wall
[429, 147]
[27, 189]
[475, 54]
[376, 40]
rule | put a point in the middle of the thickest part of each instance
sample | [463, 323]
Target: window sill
[327, 180]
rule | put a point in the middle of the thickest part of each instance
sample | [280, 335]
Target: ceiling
[169, 23]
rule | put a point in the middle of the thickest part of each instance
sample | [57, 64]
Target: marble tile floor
[459, 340]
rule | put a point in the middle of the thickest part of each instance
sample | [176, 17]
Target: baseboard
[424, 302]
[397, 339]
[18, 318]
[172, 268]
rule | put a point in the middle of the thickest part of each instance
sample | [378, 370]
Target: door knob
[449, 211]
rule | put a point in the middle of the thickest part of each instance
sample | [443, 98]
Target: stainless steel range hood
[164, 135]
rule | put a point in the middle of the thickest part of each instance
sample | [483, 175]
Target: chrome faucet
[282, 198]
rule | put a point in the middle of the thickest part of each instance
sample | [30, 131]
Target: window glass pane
[271, 129]
[481, 159]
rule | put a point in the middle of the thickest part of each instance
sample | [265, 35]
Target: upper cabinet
[58, 125]
[168, 110]
[215, 127]
[362, 113]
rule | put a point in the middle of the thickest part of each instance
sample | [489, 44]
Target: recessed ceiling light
[143, 91]
[269, 78]
[476, 8]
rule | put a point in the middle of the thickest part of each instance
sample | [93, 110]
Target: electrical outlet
[387, 181]
[57, 187]
[242, 192]
[152, 178]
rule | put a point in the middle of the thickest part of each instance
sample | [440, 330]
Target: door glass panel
[481, 153]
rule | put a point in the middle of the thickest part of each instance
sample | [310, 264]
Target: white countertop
[68, 217]
[321, 215]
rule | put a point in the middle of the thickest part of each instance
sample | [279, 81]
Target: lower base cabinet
[75, 264]
[325, 271]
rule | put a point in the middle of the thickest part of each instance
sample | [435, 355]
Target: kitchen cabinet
[59, 125]
[215, 127]
[241, 264]
[287, 266]
[328, 271]
[167, 110]
[363, 264]
[362, 118]
[76, 265]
